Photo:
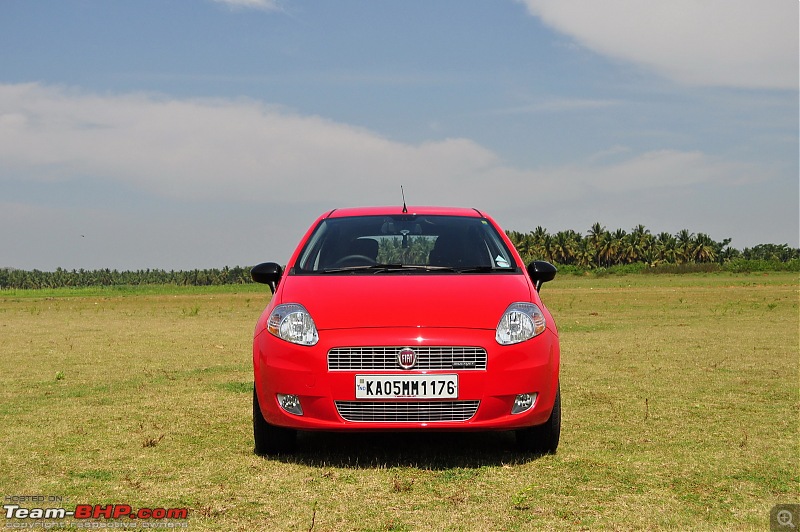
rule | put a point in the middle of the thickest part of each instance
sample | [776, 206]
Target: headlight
[293, 323]
[520, 322]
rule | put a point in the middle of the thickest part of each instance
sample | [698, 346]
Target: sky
[182, 134]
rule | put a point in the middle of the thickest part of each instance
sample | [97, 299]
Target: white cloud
[264, 5]
[735, 43]
[269, 167]
[246, 151]
[664, 169]
[237, 150]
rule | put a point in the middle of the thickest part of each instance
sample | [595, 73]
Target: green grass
[130, 290]
[680, 397]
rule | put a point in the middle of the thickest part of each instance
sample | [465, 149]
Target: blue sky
[202, 133]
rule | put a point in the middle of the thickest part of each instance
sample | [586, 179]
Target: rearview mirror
[268, 273]
[541, 272]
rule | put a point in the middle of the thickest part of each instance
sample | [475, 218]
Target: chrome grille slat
[417, 411]
[385, 358]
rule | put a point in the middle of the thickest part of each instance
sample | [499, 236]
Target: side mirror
[541, 272]
[267, 273]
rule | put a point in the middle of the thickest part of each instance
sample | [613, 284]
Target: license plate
[406, 386]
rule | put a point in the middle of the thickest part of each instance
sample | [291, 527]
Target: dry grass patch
[680, 399]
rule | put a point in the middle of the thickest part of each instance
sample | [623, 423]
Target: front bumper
[528, 367]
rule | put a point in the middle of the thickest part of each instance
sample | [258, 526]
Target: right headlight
[293, 323]
[520, 322]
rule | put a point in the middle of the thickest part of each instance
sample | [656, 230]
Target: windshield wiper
[350, 269]
[384, 268]
[477, 269]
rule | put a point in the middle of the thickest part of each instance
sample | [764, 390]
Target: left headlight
[520, 322]
[293, 323]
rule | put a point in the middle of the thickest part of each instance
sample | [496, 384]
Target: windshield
[407, 243]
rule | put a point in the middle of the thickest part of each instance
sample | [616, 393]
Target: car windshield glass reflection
[405, 244]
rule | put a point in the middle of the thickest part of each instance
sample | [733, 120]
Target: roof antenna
[405, 209]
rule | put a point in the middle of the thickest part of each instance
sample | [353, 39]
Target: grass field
[680, 397]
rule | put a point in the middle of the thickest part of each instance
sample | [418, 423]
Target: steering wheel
[354, 260]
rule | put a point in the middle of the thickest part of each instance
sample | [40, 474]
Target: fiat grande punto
[405, 319]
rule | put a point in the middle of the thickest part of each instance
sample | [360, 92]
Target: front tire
[270, 439]
[543, 439]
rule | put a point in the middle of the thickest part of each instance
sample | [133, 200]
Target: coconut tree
[664, 247]
[684, 249]
[518, 239]
[594, 237]
[584, 254]
[564, 245]
[639, 244]
[605, 250]
[705, 249]
[541, 244]
[618, 244]
[724, 251]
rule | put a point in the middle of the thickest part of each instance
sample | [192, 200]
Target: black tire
[543, 439]
[270, 439]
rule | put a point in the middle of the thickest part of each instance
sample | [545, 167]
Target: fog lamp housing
[524, 402]
[290, 403]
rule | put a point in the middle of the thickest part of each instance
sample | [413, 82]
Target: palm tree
[564, 245]
[617, 246]
[705, 249]
[684, 249]
[519, 240]
[540, 244]
[640, 244]
[594, 238]
[584, 254]
[628, 252]
[665, 248]
[605, 250]
[724, 251]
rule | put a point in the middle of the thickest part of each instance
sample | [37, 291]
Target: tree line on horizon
[60, 278]
[602, 248]
[599, 249]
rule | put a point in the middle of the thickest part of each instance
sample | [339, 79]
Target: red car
[398, 319]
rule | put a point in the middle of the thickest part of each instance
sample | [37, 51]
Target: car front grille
[385, 358]
[418, 411]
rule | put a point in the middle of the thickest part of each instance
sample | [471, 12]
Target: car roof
[398, 210]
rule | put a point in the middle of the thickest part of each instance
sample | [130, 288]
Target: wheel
[543, 439]
[270, 439]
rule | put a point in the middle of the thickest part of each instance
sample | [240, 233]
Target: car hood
[475, 301]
